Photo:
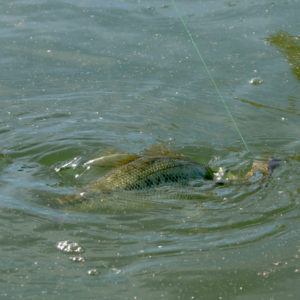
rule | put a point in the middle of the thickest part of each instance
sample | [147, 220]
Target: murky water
[85, 79]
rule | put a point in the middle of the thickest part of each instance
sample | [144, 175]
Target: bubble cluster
[69, 247]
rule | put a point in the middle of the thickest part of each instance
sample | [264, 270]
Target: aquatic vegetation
[290, 110]
[289, 45]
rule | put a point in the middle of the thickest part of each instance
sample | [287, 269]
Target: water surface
[83, 79]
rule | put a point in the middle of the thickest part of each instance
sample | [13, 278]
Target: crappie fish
[150, 171]
[153, 167]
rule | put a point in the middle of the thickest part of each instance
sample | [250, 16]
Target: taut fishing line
[210, 75]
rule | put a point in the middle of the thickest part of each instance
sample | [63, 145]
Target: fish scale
[146, 172]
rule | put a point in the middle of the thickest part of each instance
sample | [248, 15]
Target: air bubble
[256, 81]
[78, 259]
[93, 272]
[69, 247]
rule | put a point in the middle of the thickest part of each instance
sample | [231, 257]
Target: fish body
[150, 171]
[146, 170]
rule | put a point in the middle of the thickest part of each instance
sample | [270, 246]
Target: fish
[153, 168]
[156, 166]
[150, 171]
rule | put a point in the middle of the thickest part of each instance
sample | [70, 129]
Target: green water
[85, 79]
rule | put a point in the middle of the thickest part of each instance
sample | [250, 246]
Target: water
[83, 79]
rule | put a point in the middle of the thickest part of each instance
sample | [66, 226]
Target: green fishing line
[210, 75]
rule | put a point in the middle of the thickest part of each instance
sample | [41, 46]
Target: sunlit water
[83, 79]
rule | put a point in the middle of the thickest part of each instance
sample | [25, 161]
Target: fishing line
[210, 75]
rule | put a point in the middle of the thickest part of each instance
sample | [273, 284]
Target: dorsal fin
[112, 160]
